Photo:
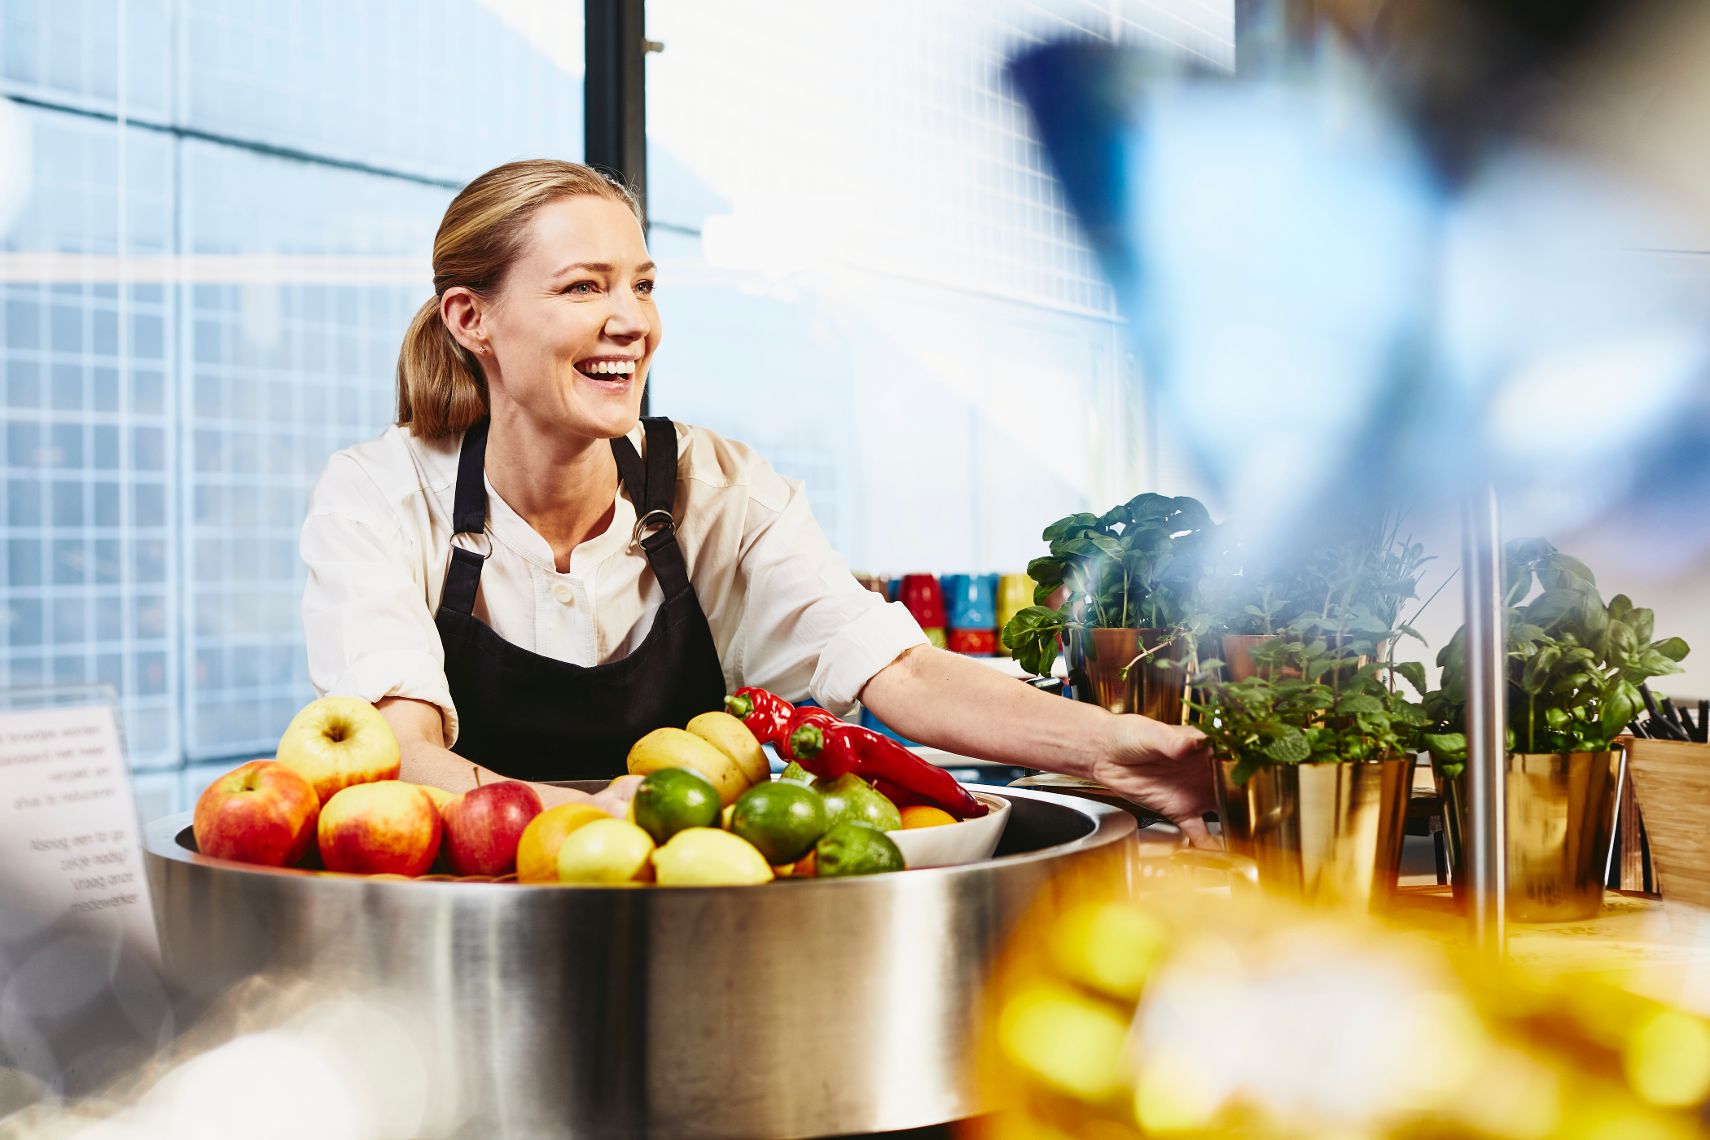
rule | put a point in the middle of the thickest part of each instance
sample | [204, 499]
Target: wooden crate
[1671, 780]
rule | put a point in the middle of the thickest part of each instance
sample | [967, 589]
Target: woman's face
[572, 328]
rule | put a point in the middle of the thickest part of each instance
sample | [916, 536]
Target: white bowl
[952, 844]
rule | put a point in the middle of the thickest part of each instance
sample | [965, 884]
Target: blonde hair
[441, 388]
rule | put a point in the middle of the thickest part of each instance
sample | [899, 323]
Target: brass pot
[1238, 654]
[1326, 833]
[1130, 670]
[1561, 820]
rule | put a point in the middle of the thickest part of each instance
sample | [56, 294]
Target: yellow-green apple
[260, 812]
[484, 825]
[440, 798]
[339, 741]
[385, 826]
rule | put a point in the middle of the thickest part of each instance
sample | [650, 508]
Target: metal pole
[1486, 787]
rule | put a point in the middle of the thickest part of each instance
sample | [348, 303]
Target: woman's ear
[461, 310]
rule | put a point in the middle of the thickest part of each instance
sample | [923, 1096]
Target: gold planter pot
[1328, 834]
[1238, 654]
[1127, 670]
[1561, 819]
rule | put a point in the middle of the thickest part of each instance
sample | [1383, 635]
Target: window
[869, 273]
[223, 216]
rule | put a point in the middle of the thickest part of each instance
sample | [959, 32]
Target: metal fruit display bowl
[810, 1007]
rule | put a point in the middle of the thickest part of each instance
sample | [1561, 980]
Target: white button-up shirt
[785, 612]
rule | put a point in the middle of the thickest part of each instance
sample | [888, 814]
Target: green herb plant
[1353, 585]
[1140, 565]
[1312, 701]
[1574, 664]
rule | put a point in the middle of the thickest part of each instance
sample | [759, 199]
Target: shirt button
[564, 593]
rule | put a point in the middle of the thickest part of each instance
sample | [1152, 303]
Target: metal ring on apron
[666, 522]
[485, 540]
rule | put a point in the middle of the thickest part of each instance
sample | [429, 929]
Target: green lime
[852, 848]
[782, 818]
[672, 799]
[851, 797]
[794, 771]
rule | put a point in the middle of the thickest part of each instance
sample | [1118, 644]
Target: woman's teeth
[609, 368]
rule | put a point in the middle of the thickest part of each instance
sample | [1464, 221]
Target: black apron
[531, 717]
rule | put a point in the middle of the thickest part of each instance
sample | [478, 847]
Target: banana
[677, 748]
[730, 736]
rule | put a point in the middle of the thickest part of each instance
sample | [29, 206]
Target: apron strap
[468, 516]
[469, 500]
[653, 490]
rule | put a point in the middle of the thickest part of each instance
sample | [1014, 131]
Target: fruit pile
[701, 809]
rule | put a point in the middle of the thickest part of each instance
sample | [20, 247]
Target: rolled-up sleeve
[366, 617]
[809, 628]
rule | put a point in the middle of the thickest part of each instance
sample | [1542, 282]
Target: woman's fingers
[614, 798]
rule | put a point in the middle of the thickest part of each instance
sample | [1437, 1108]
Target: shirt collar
[511, 529]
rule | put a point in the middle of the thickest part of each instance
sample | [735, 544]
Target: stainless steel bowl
[805, 1008]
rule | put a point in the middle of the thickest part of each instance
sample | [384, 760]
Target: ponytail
[441, 390]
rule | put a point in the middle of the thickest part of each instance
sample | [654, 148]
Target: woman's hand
[1164, 767]
[961, 706]
[551, 795]
[614, 798]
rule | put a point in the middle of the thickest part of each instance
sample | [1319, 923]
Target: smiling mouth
[615, 372]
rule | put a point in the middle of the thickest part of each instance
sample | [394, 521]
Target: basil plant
[1140, 565]
[1574, 663]
[1312, 701]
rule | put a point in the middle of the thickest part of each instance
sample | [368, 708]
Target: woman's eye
[582, 289]
[645, 288]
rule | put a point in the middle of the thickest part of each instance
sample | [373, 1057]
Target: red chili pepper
[830, 750]
[900, 796]
[807, 714]
[767, 715]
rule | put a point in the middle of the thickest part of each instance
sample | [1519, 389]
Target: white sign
[70, 845]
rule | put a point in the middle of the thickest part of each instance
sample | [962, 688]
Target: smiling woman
[526, 578]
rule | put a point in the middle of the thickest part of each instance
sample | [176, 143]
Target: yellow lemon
[537, 850]
[708, 857]
[605, 851]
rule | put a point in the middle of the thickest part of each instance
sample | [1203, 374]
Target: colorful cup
[971, 612]
[1014, 594]
[924, 598]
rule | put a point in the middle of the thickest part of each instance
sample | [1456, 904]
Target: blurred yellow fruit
[1065, 1039]
[605, 851]
[708, 857]
[537, 850]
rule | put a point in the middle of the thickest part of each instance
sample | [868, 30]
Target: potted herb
[1573, 669]
[1314, 763]
[1127, 587]
[1351, 584]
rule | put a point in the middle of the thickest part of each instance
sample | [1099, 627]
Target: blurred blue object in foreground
[1324, 316]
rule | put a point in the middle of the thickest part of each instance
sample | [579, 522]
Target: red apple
[384, 827]
[484, 825]
[261, 812]
[339, 741]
